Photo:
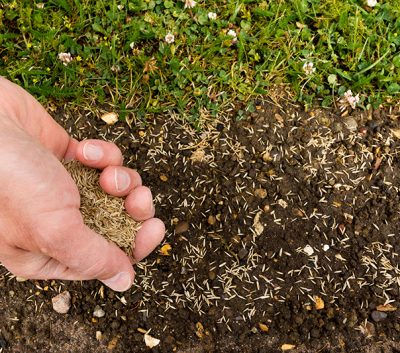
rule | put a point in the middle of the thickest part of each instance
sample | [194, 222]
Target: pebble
[351, 123]
[308, 250]
[378, 316]
[110, 118]
[181, 227]
[98, 311]
[325, 247]
[242, 253]
[99, 335]
[62, 302]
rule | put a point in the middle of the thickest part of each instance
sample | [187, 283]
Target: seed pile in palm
[103, 213]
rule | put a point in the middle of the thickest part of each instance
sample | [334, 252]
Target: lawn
[149, 56]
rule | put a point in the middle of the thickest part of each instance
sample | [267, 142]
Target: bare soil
[283, 227]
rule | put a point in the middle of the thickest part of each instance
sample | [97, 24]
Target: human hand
[42, 234]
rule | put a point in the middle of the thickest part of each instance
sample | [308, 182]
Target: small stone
[211, 220]
[267, 208]
[150, 341]
[254, 330]
[308, 250]
[326, 247]
[242, 253]
[351, 123]
[99, 335]
[378, 316]
[98, 311]
[181, 227]
[260, 193]
[62, 302]
[20, 279]
[110, 118]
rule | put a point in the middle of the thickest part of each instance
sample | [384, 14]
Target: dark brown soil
[266, 217]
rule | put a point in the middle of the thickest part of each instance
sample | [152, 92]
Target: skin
[42, 234]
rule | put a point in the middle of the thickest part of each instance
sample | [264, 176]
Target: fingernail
[120, 282]
[122, 180]
[92, 152]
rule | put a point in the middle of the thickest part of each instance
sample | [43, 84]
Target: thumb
[85, 253]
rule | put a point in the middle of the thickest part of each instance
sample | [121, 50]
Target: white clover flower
[349, 99]
[372, 3]
[189, 4]
[170, 38]
[232, 33]
[308, 68]
[65, 58]
[212, 16]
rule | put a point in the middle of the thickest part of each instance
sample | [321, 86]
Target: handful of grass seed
[103, 213]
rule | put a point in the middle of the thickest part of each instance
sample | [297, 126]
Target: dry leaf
[109, 118]
[199, 330]
[165, 250]
[387, 307]
[319, 303]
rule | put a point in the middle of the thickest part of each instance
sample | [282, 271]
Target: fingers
[139, 204]
[119, 181]
[98, 154]
[148, 238]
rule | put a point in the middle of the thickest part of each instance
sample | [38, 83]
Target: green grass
[350, 45]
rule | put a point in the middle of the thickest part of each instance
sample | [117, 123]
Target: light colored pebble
[308, 250]
[98, 311]
[62, 302]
